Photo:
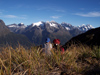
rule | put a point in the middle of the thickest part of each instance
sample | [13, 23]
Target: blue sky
[75, 12]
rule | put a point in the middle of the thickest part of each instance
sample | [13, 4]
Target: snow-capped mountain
[17, 28]
[53, 24]
[37, 32]
[40, 23]
[67, 26]
[20, 25]
[84, 27]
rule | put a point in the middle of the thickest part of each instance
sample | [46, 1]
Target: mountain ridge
[37, 32]
[68, 26]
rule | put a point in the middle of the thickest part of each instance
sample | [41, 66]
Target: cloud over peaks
[90, 14]
[13, 16]
[10, 16]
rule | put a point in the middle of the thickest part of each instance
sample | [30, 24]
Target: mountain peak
[67, 26]
[52, 21]
[53, 24]
[16, 26]
[3, 28]
[85, 28]
[88, 25]
[40, 23]
[21, 23]
[83, 25]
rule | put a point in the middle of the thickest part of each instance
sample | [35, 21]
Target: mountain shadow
[90, 38]
[10, 38]
[3, 29]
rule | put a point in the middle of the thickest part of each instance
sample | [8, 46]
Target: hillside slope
[3, 29]
[90, 38]
[10, 38]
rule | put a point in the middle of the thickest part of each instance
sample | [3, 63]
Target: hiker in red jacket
[57, 45]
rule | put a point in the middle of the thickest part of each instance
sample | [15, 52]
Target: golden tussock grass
[75, 60]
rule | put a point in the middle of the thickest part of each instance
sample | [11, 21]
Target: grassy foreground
[77, 60]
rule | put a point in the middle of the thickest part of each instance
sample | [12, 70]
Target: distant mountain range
[67, 26]
[37, 32]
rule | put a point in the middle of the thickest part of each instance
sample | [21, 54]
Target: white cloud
[55, 17]
[14, 16]
[90, 14]
[10, 16]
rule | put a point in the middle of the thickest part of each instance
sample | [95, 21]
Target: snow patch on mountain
[12, 25]
[20, 25]
[53, 24]
[40, 23]
[84, 27]
[67, 26]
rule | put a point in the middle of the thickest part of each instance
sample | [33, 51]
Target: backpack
[62, 49]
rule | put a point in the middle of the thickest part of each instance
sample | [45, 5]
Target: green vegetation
[77, 60]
